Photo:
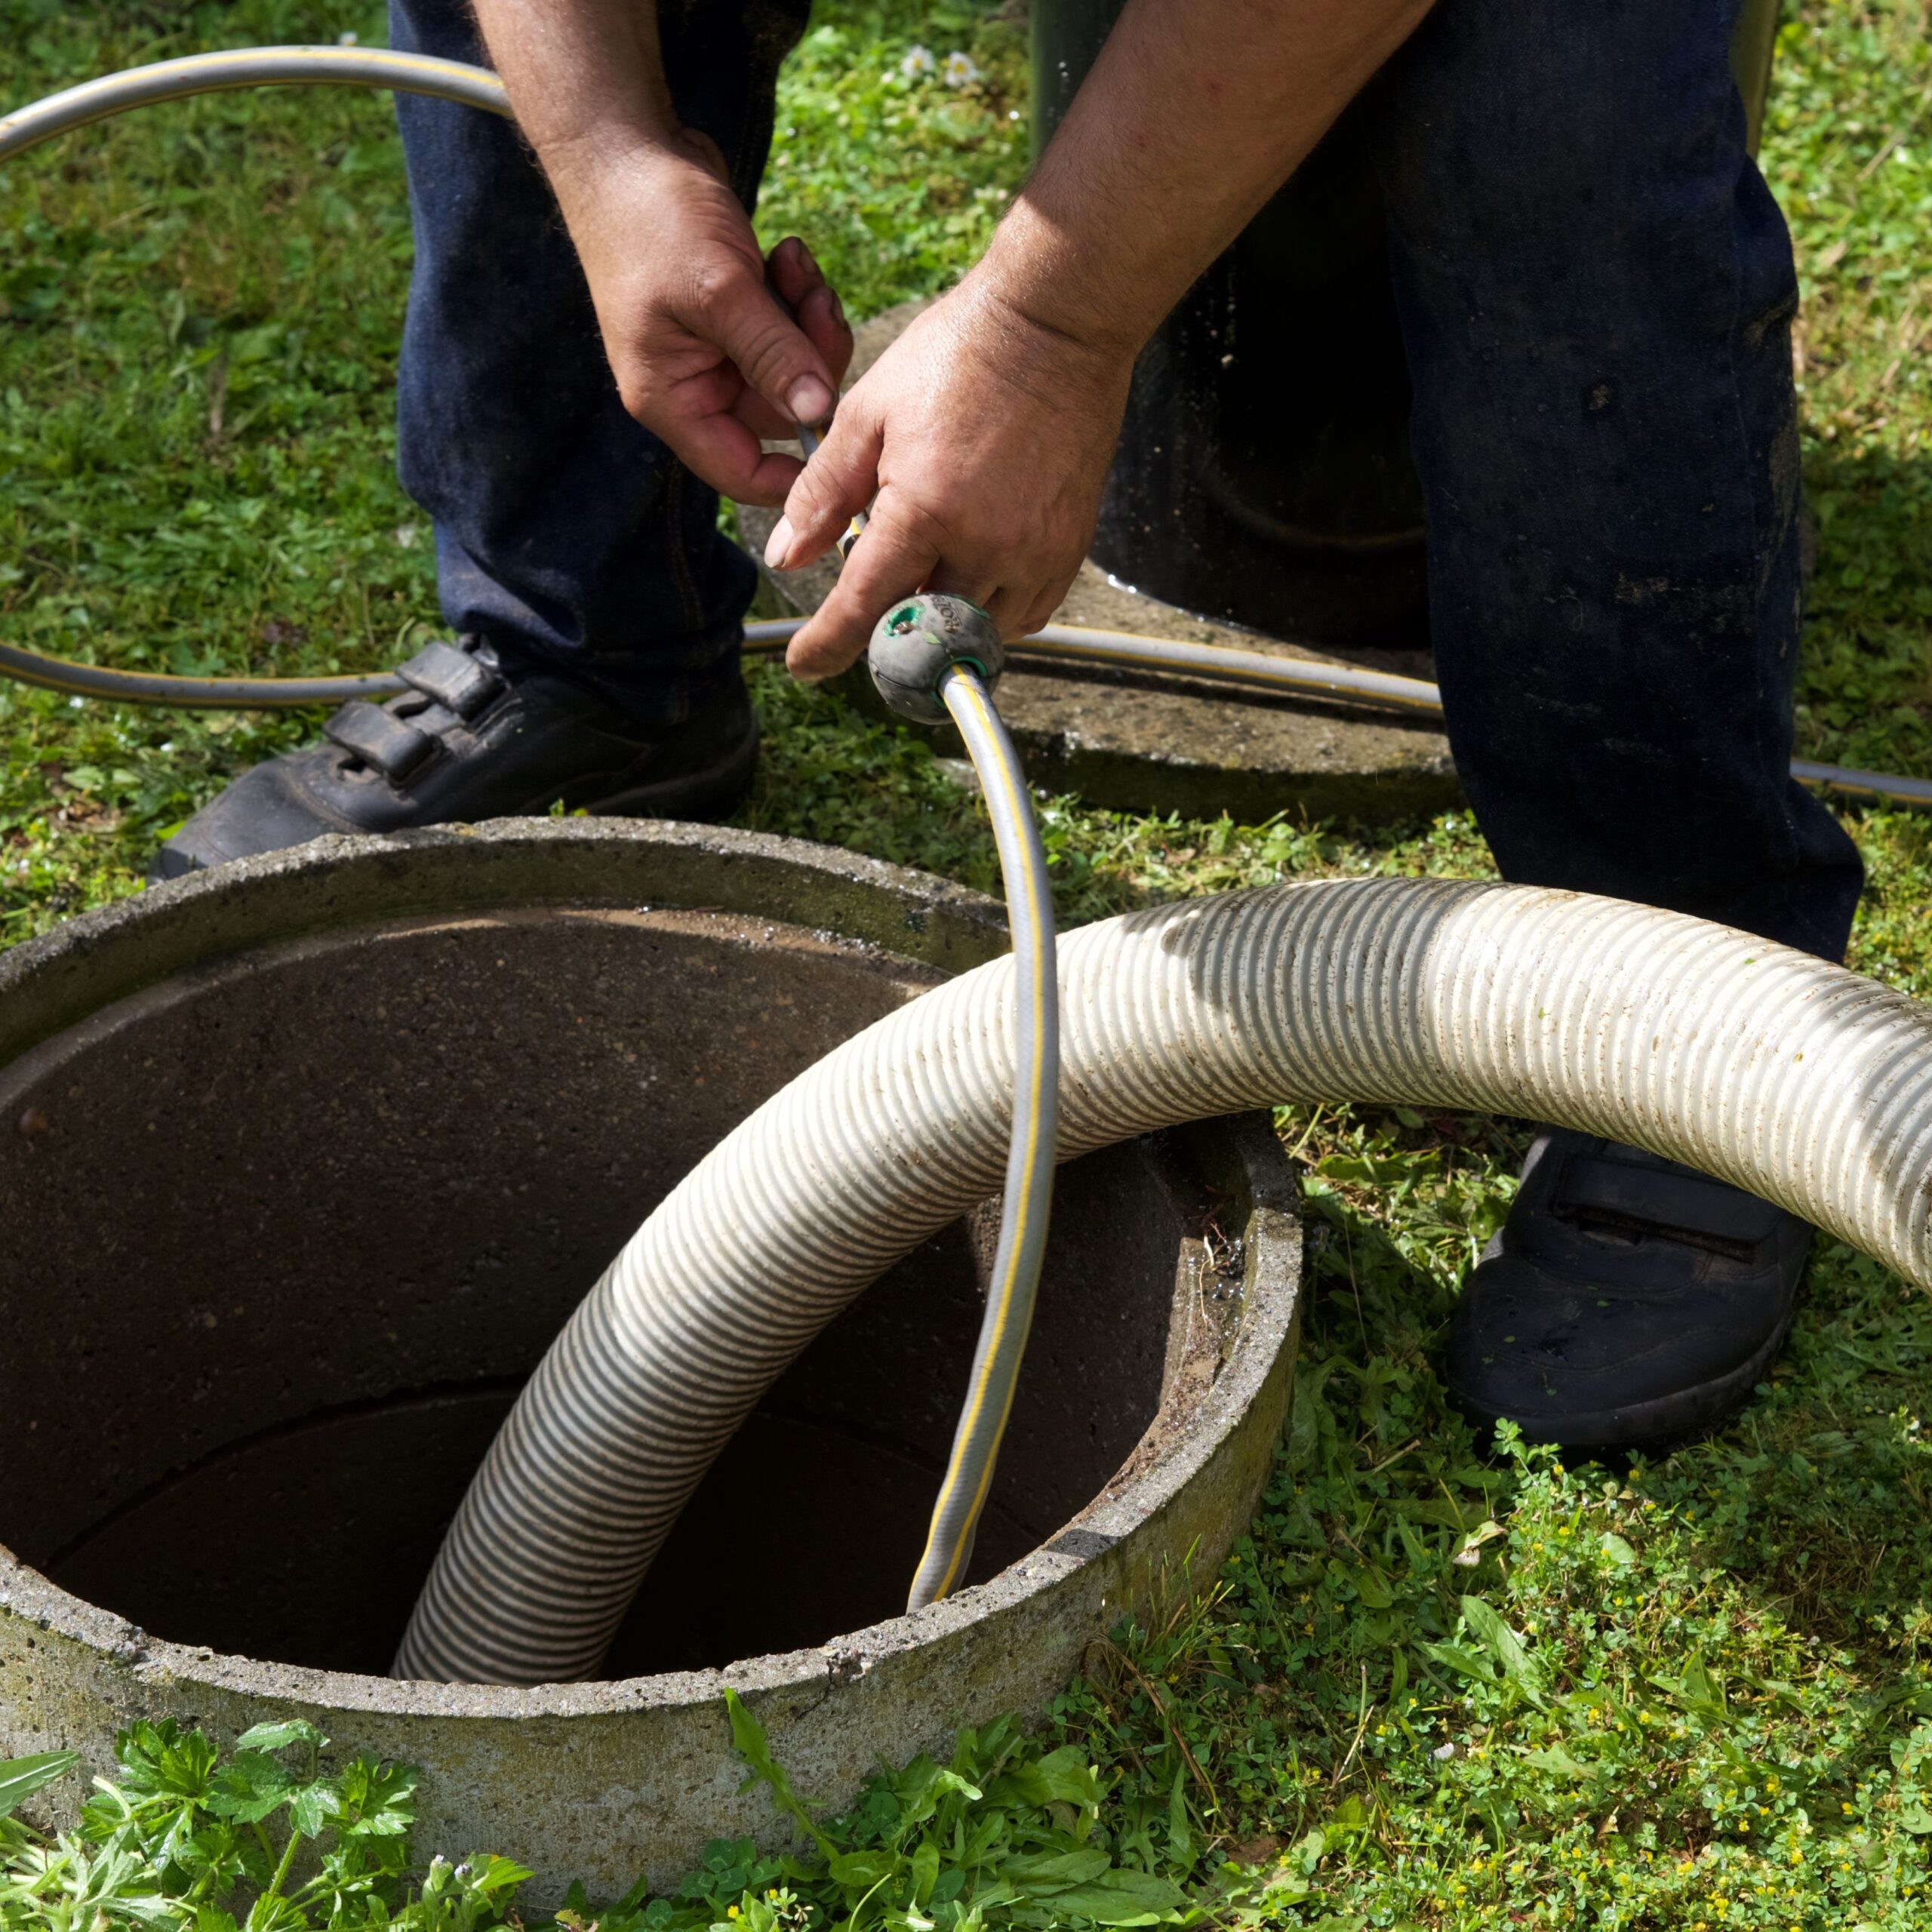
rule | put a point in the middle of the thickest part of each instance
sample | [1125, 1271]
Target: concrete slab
[1136, 743]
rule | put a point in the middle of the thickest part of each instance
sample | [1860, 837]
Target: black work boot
[1627, 1302]
[469, 740]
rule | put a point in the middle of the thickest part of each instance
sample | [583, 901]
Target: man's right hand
[704, 354]
[980, 441]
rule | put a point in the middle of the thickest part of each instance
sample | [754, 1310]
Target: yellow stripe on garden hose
[966, 693]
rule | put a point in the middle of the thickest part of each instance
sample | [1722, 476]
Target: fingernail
[778, 545]
[806, 259]
[838, 309]
[809, 400]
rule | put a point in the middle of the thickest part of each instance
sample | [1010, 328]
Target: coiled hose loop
[1797, 1080]
[177, 80]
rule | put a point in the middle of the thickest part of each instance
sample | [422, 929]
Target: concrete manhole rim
[347, 882]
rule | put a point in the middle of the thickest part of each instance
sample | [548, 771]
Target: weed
[1007, 1833]
[184, 1838]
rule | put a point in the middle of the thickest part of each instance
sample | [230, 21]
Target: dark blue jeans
[1596, 289]
[564, 532]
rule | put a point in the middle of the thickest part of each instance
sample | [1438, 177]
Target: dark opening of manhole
[287, 1233]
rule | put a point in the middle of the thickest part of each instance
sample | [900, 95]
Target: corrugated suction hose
[1797, 1080]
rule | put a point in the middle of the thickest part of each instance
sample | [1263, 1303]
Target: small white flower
[918, 60]
[1443, 1751]
[405, 535]
[960, 71]
[345, 40]
[74, 703]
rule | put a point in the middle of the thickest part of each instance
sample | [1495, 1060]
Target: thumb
[773, 354]
[831, 489]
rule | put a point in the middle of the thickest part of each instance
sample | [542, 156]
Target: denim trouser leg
[1596, 289]
[564, 532]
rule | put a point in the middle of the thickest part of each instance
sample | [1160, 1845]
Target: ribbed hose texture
[1795, 1079]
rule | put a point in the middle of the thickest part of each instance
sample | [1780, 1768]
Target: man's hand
[987, 429]
[702, 349]
[704, 353]
[987, 438]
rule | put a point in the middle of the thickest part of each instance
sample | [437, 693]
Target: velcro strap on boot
[379, 738]
[453, 678]
[1665, 1199]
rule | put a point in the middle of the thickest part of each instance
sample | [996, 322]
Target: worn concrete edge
[47, 984]
[913, 1679]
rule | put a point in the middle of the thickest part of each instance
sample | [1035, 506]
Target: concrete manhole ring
[303, 1162]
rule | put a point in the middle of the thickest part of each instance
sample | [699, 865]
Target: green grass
[1432, 1689]
[897, 178]
[1849, 149]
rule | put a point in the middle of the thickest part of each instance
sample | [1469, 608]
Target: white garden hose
[1032, 1145]
[1797, 1080]
[176, 80]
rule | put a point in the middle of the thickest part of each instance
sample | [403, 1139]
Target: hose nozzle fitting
[919, 640]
